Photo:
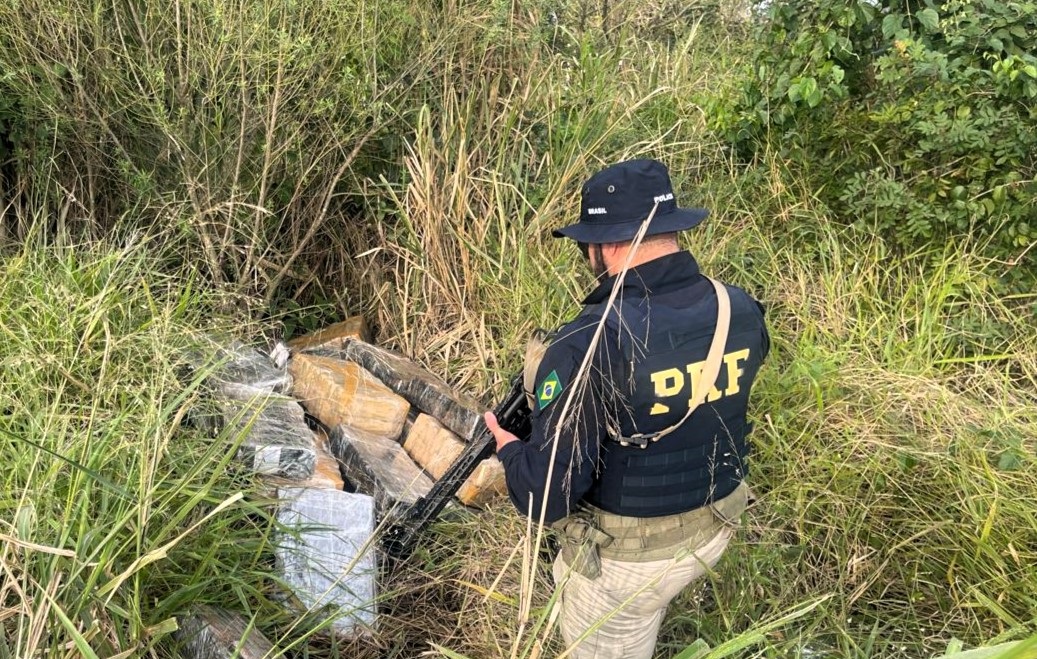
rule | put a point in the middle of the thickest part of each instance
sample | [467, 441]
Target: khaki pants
[625, 605]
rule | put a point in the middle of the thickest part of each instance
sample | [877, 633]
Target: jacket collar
[656, 276]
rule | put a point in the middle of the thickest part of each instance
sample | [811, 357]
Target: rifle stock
[400, 538]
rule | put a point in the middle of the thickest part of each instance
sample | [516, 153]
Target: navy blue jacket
[639, 380]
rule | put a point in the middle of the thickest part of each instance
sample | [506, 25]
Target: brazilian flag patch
[549, 389]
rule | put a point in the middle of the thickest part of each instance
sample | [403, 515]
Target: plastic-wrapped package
[277, 440]
[245, 373]
[327, 555]
[379, 466]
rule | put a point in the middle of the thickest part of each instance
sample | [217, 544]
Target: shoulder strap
[710, 371]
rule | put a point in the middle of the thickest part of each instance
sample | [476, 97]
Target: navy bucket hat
[615, 201]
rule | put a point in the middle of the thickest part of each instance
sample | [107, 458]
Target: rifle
[512, 413]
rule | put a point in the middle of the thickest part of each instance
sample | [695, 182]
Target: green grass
[894, 459]
[894, 455]
[895, 419]
[115, 517]
[895, 424]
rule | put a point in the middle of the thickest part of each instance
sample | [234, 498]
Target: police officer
[639, 444]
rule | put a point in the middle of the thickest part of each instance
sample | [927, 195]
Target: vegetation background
[173, 172]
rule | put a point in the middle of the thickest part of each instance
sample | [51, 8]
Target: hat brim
[679, 219]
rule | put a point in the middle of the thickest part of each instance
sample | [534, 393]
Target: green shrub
[915, 120]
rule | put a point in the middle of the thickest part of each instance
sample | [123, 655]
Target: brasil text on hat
[615, 201]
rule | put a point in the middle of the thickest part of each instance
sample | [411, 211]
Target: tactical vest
[663, 341]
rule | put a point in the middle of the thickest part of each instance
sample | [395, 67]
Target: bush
[915, 120]
[243, 127]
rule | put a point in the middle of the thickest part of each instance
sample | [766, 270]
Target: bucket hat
[615, 201]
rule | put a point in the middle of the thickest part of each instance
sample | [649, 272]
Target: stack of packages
[392, 429]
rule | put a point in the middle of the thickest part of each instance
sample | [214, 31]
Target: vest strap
[708, 377]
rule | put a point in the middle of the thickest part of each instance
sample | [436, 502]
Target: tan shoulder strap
[710, 370]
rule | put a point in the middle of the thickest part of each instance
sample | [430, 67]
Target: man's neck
[644, 253]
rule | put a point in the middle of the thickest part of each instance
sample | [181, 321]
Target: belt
[641, 539]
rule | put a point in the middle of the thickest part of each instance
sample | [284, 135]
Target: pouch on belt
[581, 543]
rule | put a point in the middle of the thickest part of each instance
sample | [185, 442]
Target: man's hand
[502, 436]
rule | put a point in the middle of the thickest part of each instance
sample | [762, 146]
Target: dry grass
[893, 420]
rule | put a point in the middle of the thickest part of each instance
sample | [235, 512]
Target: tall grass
[895, 443]
[115, 518]
[895, 419]
[498, 163]
[408, 161]
[894, 447]
[244, 126]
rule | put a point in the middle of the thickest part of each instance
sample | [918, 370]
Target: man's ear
[615, 253]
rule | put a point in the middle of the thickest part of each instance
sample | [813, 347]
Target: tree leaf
[808, 86]
[794, 92]
[929, 19]
[890, 25]
[1019, 31]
